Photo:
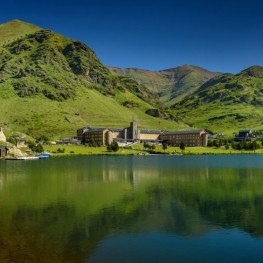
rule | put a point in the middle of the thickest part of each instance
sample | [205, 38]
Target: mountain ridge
[170, 85]
[50, 84]
[229, 101]
[15, 29]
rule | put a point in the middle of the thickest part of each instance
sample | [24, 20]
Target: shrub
[113, 147]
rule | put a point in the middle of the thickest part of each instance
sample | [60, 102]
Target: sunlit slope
[15, 29]
[226, 102]
[170, 85]
[53, 85]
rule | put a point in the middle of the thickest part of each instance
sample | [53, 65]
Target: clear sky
[219, 35]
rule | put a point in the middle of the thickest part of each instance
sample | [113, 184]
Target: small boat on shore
[44, 155]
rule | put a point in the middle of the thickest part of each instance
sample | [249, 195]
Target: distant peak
[253, 71]
[18, 22]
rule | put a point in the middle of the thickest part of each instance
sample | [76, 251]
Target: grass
[137, 149]
[41, 93]
[14, 29]
[226, 103]
[38, 116]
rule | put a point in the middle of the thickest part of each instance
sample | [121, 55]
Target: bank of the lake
[138, 149]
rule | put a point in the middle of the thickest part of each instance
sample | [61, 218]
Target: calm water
[132, 209]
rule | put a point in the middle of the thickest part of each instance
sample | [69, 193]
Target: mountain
[226, 102]
[171, 85]
[52, 85]
[15, 29]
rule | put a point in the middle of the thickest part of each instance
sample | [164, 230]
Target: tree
[11, 140]
[113, 147]
[165, 146]
[182, 146]
[31, 145]
[153, 147]
[39, 148]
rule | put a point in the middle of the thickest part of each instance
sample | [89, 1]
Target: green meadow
[138, 149]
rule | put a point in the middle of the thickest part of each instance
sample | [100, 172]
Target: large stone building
[189, 138]
[104, 136]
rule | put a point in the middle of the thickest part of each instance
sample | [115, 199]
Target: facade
[244, 135]
[189, 138]
[80, 133]
[99, 136]
[150, 135]
[104, 136]
[3, 151]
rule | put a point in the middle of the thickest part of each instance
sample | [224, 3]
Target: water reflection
[59, 210]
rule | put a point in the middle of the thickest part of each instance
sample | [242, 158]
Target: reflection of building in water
[127, 171]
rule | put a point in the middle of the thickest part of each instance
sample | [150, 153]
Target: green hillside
[15, 29]
[226, 103]
[155, 81]
[51, 85]
[171, 85]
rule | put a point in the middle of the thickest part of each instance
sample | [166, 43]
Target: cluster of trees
[93, 143]
[35, 147]
[181, 146]
[149, 146]
[243, 145]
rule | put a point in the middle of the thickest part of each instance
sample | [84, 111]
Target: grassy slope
[171, 85]
[154, 80]
[52, 85]
[15, 29]
[187, 79]
[38, 115]
[226, 103]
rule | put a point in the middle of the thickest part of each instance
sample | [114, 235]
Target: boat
[44, 155]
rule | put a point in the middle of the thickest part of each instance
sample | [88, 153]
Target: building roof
[247, 131]
[83, 128]
[184, 132]
[96, 129]
[116, 129]
[148, 131]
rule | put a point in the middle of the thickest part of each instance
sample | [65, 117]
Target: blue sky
[219, 35]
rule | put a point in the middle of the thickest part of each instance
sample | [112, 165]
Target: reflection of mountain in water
[65, 214]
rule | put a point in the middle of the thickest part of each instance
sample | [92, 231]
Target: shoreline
[81, 150]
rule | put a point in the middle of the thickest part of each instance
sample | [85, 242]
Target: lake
[94, 209]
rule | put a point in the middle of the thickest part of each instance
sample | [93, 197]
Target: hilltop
[219, 102]
[226, 102]
[52, 85]
[15, 29]
[170, 85]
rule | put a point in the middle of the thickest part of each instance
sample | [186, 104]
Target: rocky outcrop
[2, 136]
